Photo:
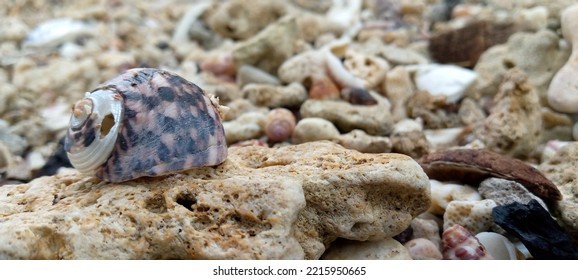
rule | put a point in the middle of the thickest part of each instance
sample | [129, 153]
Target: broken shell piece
[459, 244]
[497, 245]
[323, 88]
[470, 165]
[447, 80]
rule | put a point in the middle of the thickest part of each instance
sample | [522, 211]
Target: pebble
[314, 129]
[374, 120]
[423, 249]
[444, 193]
[245, 127]
[445, 80]
[273, 96]
[475, 216]
[563, 90]
[504, 192]
[15, 143]
[426, 229]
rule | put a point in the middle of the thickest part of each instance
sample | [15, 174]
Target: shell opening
[106, 110]
[106, 125]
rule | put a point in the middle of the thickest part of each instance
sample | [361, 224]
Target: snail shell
[145, 122]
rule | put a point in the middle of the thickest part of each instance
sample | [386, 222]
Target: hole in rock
[106, 125]
[187, 201]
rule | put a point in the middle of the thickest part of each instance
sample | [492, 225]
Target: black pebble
[404, 236]
[55, 161]
[539, 232]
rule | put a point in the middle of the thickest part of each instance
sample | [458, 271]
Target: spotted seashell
[145, 122]
[459, 244]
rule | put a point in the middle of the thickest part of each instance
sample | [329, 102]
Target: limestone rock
[314, 129]
[386, 249]
[241, 19]
[444, 193]
[399, 88]
[358, 140]
[561, 170]
[475, 216]
[538, 54]
[514, 125]
[504, 192]
[247, 126]
[275, 96]
[261, 203]
[270, 47]
[374, 120]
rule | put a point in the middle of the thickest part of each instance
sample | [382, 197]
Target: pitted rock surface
[262, 203]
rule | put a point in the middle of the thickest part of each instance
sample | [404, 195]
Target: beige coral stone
[444, 193]
[262, 203]
[386, 249]
[561, 169]
[241, 19]
[270, 47]
[249, 125]
[514, 125]
[374, 119]
[538, 54]
[475, 216]
[314, 129]
[275, 96]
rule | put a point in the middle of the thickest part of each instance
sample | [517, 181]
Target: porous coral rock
[371, 69]
[475, 216]
[272, 96]
[242, 19]
[514, 125]
[386, 249]
[374, 119]
[398, 87]
[444, 193]
[561, 169]
[539, 55]
[247, 208]
[505, 192]
[270, 47]
[358, 140]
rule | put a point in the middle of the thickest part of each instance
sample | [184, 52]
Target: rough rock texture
[241, 19]
[262, 203]
[444, 193]
[538, 54]
[534, 226]
[270, 47]
[475, 216]
[562, 170]
[275, 96]
[514, 125]
[374, 119]
[386, 249]
[505, 192]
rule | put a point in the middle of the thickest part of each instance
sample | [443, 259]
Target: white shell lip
[105, 102]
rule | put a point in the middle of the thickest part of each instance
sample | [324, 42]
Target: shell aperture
[166, 124]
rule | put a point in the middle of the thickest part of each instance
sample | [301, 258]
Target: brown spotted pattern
[169, 125]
